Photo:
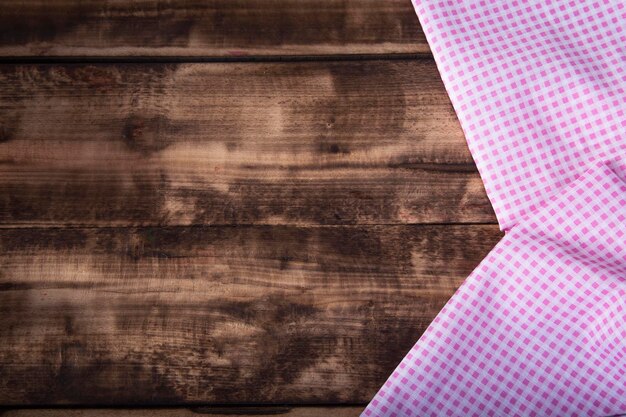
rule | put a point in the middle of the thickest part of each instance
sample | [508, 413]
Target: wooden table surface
[234, 206]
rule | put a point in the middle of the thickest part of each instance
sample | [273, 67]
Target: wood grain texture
[218, 28]
[241, 233]
[373, 142]
[256, 314]
[266, 411]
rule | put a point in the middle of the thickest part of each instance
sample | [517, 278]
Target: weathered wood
[208, 28]
[263, 411]
[256, 143]
[255, 314]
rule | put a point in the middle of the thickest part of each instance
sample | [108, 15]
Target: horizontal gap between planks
[208, 59]
[166, 410]
[197, 407]
[247, 225]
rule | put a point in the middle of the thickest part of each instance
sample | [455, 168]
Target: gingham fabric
[538, 87]
[539, 328]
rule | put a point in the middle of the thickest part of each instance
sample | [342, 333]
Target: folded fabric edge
[606, 177]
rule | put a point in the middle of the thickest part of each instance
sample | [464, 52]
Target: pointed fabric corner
[539, 328]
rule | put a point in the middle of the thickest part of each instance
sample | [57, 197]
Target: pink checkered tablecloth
[539, 328]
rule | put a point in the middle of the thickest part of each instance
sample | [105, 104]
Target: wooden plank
[254, 314]
[208, 28]
[250, 143]
[262, 411]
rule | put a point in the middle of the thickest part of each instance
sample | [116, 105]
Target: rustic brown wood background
[247, 206]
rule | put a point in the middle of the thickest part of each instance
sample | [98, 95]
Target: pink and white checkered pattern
[539, 328]
[538, 87]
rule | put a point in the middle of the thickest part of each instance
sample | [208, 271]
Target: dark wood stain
[208, 28]
[223, 233]
[148, 135]
[100, 78]
[178, 315]
[213, 411]
[6, 134]
[9, 122]
[233, 144]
